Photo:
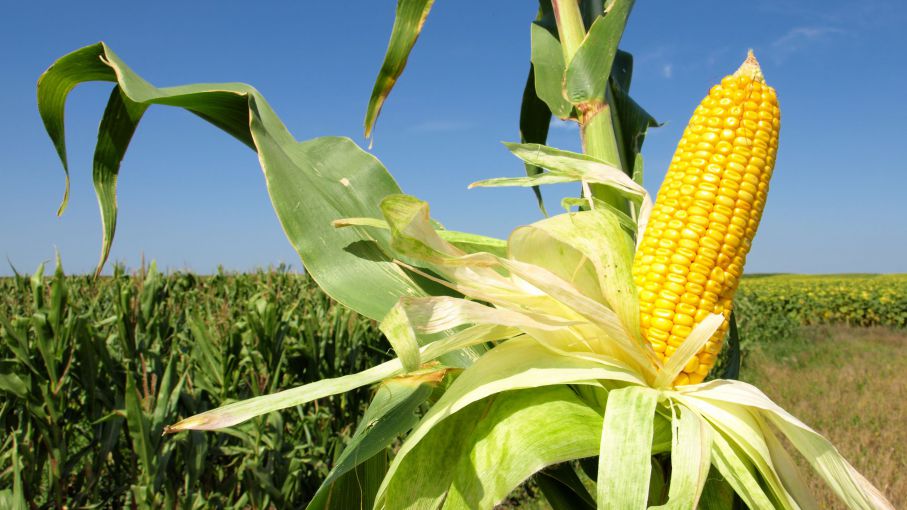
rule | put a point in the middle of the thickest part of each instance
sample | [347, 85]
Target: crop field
[855, 300]
[91, 371]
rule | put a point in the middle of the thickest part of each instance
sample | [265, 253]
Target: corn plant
[92, 370]
[551, 346]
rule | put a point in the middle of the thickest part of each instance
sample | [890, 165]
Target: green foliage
[772, 308]
[92, 370]
[855, 300]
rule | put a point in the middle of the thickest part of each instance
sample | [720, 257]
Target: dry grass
[850, 385]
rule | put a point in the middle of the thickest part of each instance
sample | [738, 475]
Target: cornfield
[93, 370]
[198, 342]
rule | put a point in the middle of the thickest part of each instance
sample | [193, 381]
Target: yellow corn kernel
[691, 257]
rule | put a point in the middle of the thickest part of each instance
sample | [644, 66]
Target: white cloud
[798, 38]
[667, 70]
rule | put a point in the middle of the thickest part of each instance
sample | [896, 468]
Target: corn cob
[692, 253]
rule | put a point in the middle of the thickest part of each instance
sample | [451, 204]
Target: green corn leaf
[535, 119]
[355, 489]
[518, 437]
[166, 399]
[15, 499]
[10, 381]
[690, 460]
[425, 478]
[742, 428]
[139, 431]
[391, 413]
[53, 88]
[563, 488]
[476, 457]
[16, 342]
[717, 493]
[622, 70]
[410, 18]
[515, 364]
[238, 412]
[738, 472]
[121, 118]
[586, 72]
[469, 243]
[624, 468]
[548, 66]
[311, 183]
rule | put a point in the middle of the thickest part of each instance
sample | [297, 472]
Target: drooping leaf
[690, 460]
[238, 412]
[738, 472]
[788, 470]
[516, 364]
[741, 427]
[310, 183]
[626, 446]
[569, 166]
[517, 437]
[853, 489]
[121, 118]
[397, 328]
[410, 18]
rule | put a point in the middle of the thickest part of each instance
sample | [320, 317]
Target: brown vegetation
[850, 384]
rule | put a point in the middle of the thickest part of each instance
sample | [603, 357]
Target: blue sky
[191, 197]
